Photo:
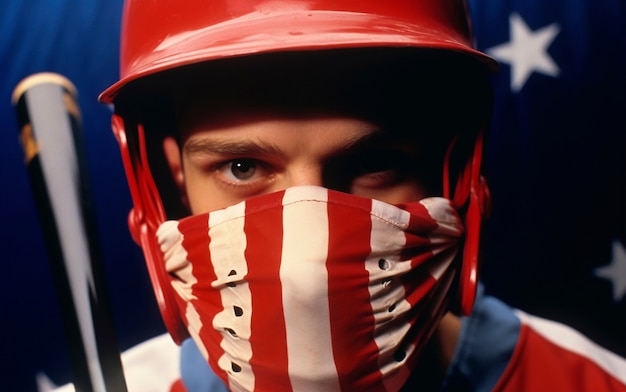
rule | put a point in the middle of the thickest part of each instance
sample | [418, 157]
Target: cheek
[203, 195]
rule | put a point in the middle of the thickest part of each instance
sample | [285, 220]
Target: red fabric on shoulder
[178, 386]
[538, 364]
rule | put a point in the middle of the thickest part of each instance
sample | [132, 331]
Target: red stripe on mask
[264, 233]
[349, 297]
[208, 302]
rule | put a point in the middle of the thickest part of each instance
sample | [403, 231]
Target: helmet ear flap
[161, 284]
[471, 194]
[478, 209]
[143, 220]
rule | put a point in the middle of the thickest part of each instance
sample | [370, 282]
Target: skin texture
[225, 158]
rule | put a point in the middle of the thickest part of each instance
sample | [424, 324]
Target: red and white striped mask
[310, 289]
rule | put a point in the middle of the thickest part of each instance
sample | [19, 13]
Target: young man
[307, 191]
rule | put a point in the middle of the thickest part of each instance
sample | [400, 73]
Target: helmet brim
[294, 31]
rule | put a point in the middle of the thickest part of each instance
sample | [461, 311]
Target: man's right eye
[240, 169]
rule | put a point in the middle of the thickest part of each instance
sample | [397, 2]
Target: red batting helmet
[165, 34]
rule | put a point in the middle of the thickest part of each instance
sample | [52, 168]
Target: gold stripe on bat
[41, 78]
[29, 144]
[71, 106]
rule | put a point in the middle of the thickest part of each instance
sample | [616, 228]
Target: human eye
[378, 171]
[366, 170]
[242, 170]
[377, 179]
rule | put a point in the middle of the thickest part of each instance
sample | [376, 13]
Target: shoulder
[505, 349]
[554, 356]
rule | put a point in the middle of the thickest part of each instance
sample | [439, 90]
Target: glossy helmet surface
[163, 35]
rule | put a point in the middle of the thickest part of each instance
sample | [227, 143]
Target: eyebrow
[227, 147]
[366, 139]
[373, 139]
[260, 147]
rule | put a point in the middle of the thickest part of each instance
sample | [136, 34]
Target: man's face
[227, 158]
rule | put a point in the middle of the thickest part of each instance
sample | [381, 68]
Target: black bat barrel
[50, 133]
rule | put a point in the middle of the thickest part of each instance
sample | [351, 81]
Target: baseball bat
[50, 134]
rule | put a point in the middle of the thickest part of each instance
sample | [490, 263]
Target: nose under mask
[310, 289]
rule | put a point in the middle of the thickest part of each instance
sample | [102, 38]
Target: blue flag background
[555, 162]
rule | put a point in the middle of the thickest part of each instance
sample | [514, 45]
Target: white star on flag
[616, 271]
[527, 51]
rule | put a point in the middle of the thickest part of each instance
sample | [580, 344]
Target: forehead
[266, 121]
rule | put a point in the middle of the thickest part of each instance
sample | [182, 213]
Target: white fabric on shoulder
[151, 366]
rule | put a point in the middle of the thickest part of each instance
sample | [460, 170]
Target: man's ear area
[171, 150]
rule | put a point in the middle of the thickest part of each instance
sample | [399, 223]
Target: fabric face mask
[310, 289]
